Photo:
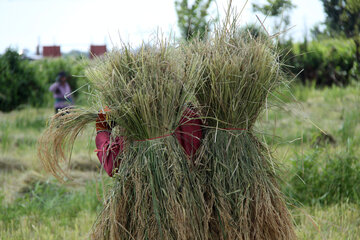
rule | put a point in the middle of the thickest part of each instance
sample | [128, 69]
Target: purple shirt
[60, 91]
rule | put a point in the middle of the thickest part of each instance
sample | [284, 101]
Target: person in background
[61, 89]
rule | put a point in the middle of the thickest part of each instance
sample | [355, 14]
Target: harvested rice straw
[240, 180]
[55, 143]
[156, 194]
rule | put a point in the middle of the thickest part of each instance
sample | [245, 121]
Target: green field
[315, 140]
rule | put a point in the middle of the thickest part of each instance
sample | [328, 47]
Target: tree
[193, 20]
[17, 81]
[276, 9]
[343, 18]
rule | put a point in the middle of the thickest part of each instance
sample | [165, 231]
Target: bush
[327, 62]
[325, 178]
[17, 81]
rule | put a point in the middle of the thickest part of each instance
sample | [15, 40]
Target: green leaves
[273, 8]
[193, 20]
[17, 81]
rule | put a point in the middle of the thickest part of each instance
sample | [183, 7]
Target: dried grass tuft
[56, 142]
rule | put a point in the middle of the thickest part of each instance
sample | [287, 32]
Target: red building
[97, 50]
[51, 51]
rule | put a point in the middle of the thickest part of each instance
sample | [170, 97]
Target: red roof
[51, 51]
[97, 50]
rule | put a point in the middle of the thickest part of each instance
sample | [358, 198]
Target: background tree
[17, 81]
[278, 10]
[193, 19]
[343, 18]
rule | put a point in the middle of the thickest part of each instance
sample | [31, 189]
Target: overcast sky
[75, 24]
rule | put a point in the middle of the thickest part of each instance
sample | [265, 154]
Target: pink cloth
[189, 134]
[107, 152]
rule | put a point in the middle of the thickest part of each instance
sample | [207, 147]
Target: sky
[75, 24]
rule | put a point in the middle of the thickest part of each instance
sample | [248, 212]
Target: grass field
[315, 140]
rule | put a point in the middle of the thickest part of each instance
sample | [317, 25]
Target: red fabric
[189, 134]
[107, 153]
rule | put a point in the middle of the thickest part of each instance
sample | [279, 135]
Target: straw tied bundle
[228, 190]
[239, 74]
[156, 195]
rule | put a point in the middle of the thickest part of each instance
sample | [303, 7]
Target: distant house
[51, 51]
[97, 50]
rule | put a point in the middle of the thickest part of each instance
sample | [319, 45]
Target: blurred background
[313, 131]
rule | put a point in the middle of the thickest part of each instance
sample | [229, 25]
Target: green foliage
[253, 31]
[343, 18]
[4, 137]
[193, 20]
[326, 62]
[326, 177]
[273, 8]
[348, 129]
[17, 81]
[277, 9]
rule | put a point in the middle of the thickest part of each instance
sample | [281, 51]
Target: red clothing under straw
[189, 134]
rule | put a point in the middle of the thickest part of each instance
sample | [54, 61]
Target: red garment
[189, 134]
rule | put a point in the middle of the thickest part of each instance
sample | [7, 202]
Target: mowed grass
[318, 172]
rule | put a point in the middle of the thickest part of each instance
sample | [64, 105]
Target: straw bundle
[239, 75]
[156, 194]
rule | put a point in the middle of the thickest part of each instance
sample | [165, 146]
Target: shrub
[327, 62]
[17, 81]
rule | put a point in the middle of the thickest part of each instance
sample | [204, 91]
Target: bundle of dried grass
[240, 176]
[156, 194]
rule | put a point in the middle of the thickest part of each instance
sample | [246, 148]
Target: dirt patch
[81, 178]
[11, 164]
[323, 139]
[29, 181]
[84, 164]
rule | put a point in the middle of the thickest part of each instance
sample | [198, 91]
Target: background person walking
[61, 89]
